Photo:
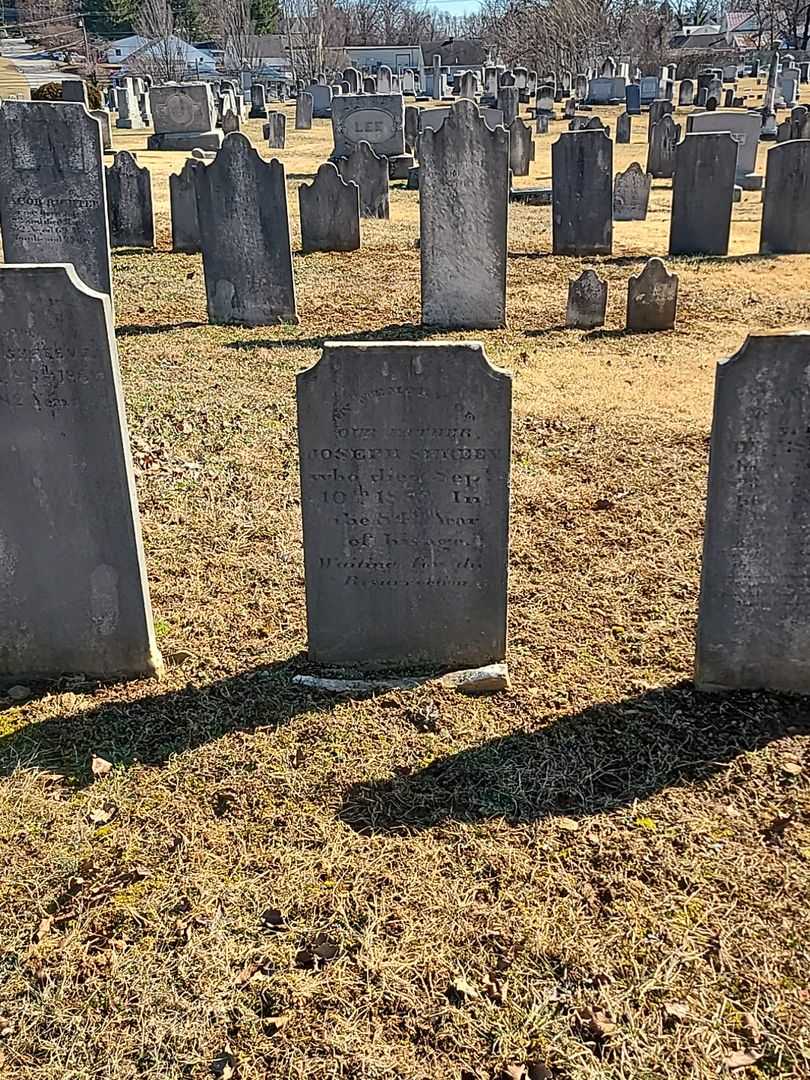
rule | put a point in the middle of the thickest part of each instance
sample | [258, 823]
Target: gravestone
[658, 110]
[631, 194]
[652, 298]
[587, 301]
[404, 457]
[53, 204]
[330, 212]
[509, 103]
[434, 118]
[75, 90]
[463, 209]
[468, 87]
[745, 129]
[103, 118]
[545, 99]
[582, 200]
[411, 128]
[784, 132]
[303, 112]
[73, 590]
[623, 127]
[380, 122]
[661, 148]
[521, 147]
[702, 97]
[321, 101]
[129, 203]
[184, 117]
[649, 89]
[753, 621]
[702, 194]
[245, 237]
[632, 99]
[275, 130]
[786, 202]
[127, 107]
[606, 91]
[369, 85]
[183, 198]
[370, 172]
[351, 76]
[258, 102]
[230, 122]
[581, 87]
[686, 93]
[570, 110]
[384, 79]
[541, 123]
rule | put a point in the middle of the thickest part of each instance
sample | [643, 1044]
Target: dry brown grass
[601, 874]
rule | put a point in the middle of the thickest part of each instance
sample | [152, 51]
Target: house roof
[698, 42]
[737, 18]
[470, 51]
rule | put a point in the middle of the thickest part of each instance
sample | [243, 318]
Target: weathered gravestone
[378, 121]
[404, 458]
[184, 117]
[652, 298]
[321, 101]
[245, 237]
[686, 93]
[370, 172]
[702, 194]
[75, 90]
[469, 85]
[73, 590]
[103, 118]
[661, 148]
[786, 203]
[631, 194]
[745, 129]
[129, 203]
[127, 107]
[230, 121]
[369, 85]
[258, 102]
[623, 127]
[275, 130]
[632, 99]
[463, 211]
[183, 197]
[587, 301]
[508, 102]
[658, 110]
[52, 198]
[303, 112]
[582, 185]
[330, 212]
[411, 128]
[753, 622]
[521, 147]
[570, 110]
[541, 123]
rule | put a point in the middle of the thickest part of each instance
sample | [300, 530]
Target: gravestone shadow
[136, 330]
[592, 762]
[395, 332]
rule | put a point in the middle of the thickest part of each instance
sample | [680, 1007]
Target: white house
[196, 60]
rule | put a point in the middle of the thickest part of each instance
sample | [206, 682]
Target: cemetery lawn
[598, 874]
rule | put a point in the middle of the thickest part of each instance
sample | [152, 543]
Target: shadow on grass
[595, 761]
[397, 332]
[134, 330]
[151, 729]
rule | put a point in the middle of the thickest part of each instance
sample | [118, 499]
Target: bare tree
[242, 47]
[164, 54]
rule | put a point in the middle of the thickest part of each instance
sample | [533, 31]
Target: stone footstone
[587, 301]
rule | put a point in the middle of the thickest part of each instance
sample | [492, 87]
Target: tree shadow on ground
[592, 762]
[150, 729]
[396, 332]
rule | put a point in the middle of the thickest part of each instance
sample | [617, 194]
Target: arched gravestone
[129, 203]
[245, 237]
[404, 458]
[183, 198]
[378, 121]
[702, 194]
[631, 194]
[330, 212]
[463, 211]
[661, 148]
[652, 298]
[582, 193]
[686, 93]
[754, 613]
[521, 147]
[303, 112]
[587, 301]
[53, 203]
[786, 203]
[370, 172]
[73, 592]
[624, 123]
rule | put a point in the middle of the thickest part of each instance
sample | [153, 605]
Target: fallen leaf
[6, 1027]
[460, 991]
[741, 1059]
[597, 1023]
[274, 1024]
[675, 1011]
[495, 988]
[102, 815]
[100, 766]
[514, 1071]
[44, 929]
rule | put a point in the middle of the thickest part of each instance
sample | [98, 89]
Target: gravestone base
[534, 196]
[185, 140]
[749, 181]
[130, 123]
[400, 166]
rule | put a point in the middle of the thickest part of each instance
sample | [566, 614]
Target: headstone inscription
[73, 589]
[702, 194]
[129, 203]
[582, 199]
[245, 237]
[786, 203]
[184, 117]
[370, 172]
[378, 121]
[631, 194]
[183, 199]
[53, 204]
[330, 212]
[661, 148]
[652, 298]
[405, 530]
[753, 620]
[587, 301]
[463, 211]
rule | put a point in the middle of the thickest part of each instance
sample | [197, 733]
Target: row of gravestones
[652, 300]
[406, 530]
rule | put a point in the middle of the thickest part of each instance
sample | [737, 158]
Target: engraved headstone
[330, 212]
[183, 198]
[370, 172]
[658, 110]
[73, 591]
[303, 112]
[623, 127]
[582, 185]
[702, 194]
[53, 204]
[652, 298]
[275, 130]
[380, 122]
[258, 102]
[661, 148]
[753, 628]
[184, 117]
[127, 107]
[508, 102]
[321, 101]
[632, 99]
[245, 237]
[463, 207]
[631, 194]
[129, 203]
[587, 301]
[521, 147]
[745, 129]
[786, 202]
[404, 459]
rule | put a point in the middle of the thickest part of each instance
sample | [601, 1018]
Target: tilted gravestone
[184, 117]
[702, 194]
[753, 623]
[661, 148]
[582, 200]
[183, 198]
[521, 147]
[330, 212]
[631, 194]
[275, 130]
[245, 237]
[303, 112]
[404, 458]
[73, 589]
[786, 204]
[463, 212]
[129, 203]
[652, 298]
[587, 301]
[370, 172]
[623, 127]
[53, 204]
[378, 121]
